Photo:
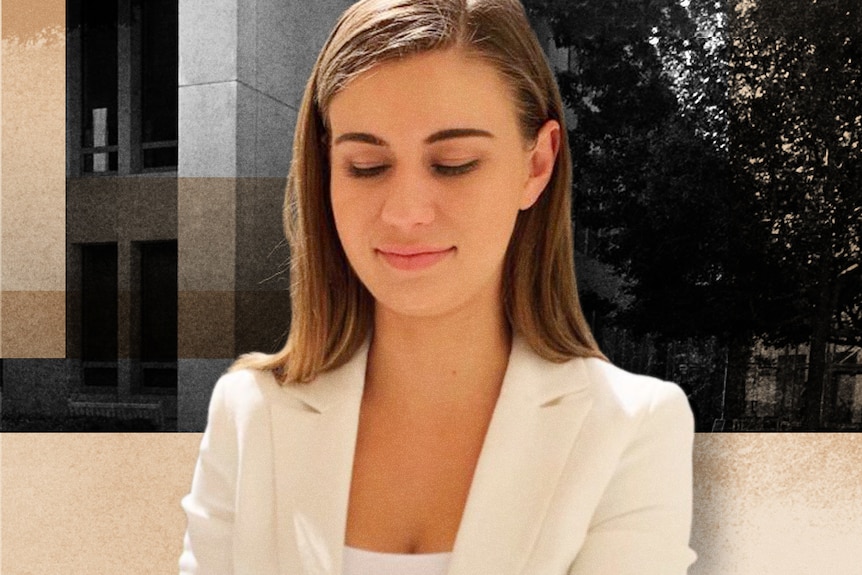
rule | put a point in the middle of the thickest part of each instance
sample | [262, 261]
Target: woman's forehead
[423, 90]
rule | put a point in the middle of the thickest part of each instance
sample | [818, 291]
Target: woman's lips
[413, 259]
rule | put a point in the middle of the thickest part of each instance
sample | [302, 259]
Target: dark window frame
[127, 155]
[140, 279]
[98, 363]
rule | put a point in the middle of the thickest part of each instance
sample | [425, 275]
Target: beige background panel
[32, 179]
[94, 504]
[33, 164]
[33, 324]
[764, 504]
[778, 503]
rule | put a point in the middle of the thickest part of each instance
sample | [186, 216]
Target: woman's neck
[458, 358]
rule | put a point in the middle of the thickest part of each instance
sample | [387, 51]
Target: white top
[363, 562]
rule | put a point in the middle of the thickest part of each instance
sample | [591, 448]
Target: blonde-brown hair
[332, 312]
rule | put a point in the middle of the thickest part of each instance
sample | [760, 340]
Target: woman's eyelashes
[455, 169]
[439, 168]
[366, 171]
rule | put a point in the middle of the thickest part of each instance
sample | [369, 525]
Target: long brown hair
[332, 312]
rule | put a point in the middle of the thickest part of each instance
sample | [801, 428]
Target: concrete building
[179, 122]
[243, 66]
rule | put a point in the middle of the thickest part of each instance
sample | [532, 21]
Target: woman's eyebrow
[457, 133]
[361, 137]
[366, 138]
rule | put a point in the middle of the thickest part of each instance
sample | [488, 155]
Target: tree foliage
[796, 121]
[647, 87]
[716, 149]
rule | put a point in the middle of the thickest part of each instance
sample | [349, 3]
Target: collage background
[109, 503]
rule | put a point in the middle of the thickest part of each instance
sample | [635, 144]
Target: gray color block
[196, 379]
[207, 41]
[208, 130]
[34, 386]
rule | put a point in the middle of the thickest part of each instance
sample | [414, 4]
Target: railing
[119, 410]
[761, 424]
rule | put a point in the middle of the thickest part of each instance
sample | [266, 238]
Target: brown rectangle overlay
[33, 324]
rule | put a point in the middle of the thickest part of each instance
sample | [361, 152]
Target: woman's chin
[405, 307]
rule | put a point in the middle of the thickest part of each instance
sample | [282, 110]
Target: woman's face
[428, 173]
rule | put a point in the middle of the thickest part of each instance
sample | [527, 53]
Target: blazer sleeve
[209, 507]
[642, 523]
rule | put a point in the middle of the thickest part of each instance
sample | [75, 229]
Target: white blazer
[585, 469]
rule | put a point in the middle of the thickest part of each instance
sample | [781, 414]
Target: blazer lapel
[538, 415]
[314, 437]
[532, 432]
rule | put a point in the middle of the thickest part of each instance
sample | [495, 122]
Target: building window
[122, 98]
[99, 314]
[159, 69]
[99, 85]
[158, 314]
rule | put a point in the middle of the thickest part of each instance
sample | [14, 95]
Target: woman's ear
[542, 159]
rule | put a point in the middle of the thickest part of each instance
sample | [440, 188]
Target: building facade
[179, 123]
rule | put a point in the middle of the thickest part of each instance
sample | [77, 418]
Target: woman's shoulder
[632, 395]
[245, 390]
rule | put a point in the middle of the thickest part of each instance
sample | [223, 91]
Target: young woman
[440, 405]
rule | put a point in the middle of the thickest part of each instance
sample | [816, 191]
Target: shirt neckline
[435, 554]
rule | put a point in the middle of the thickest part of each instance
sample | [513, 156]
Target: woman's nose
[409, 202]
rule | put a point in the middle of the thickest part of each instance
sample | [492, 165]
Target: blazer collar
[335, 386]
[538, 416]
[533, 428]
[538, 381]
[528, 376]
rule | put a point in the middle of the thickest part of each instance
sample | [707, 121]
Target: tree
[647, 85]
[796, 119]
[718, 154]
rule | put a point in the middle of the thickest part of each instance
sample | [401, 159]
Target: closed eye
[441, 169]
[367, 171]
[457, 170]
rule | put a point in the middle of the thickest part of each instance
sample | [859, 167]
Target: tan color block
[22, 21]
[32, 181]
[108, 208]
[33, 324]
[253, 334]
[777, 503]
[93, 206]
[149, 208]
[206, 234]
[87, 503]
[94, 503]
[205, 325]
